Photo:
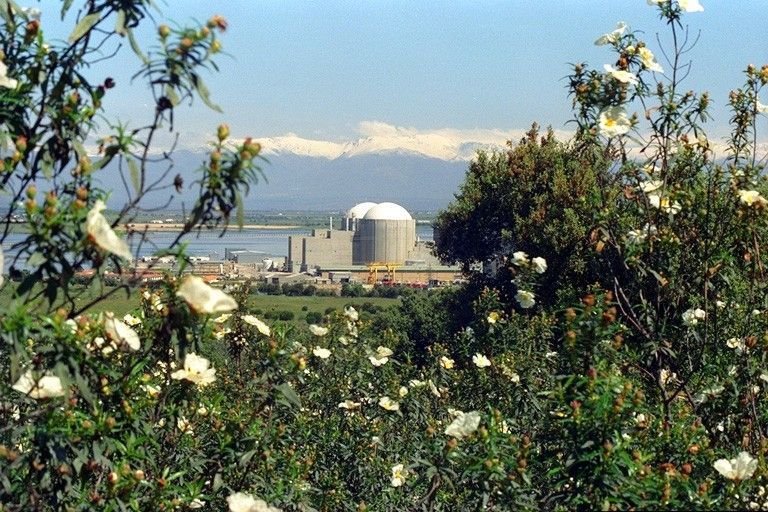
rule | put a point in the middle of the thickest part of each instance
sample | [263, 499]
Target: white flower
[493, 317]
[388, 404]
[539, 264]
[740, 468]
[761, 109]
[514, 377]
[120, 333]
[260, 326]
[222, 318]
[649, 61]
[736, 344]
[47, 386]
[620, 75]
[183, 424]
[416, 383]
[322, 353]
[525, 298]
[381, 357]
[349, 405]
[433, 389]
[152, 391]
[751, 197]
[196, 370]
[481, 361]
[650, 185]
[131, 320]
[317, 330]
[691, 317]
[614, 121]
[403, 391]
[447, 362]
[519, 258]
[196, 503]
[203, 298]
[351, 313]
[664, 204]
[720, 304]
[690, 5]
[612, 37]
[399, 475]
[242, 502]
[463, 425]
[100, 233]
[8, 83]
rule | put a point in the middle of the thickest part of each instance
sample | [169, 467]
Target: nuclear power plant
[371, 238]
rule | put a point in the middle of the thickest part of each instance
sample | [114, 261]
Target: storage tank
[387, 233]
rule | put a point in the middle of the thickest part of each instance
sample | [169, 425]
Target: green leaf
[82, 28]
[65, 7]
[136, 48]
[120, 23]
[289, 394]
[170, 93]
[202, 90]
[134, 170]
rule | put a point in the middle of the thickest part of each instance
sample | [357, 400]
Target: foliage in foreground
[615, 359]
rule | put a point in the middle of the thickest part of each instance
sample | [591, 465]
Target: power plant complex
[372, 238]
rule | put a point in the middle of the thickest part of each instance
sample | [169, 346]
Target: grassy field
[120, 304]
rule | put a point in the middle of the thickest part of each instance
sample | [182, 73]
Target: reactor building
[370, 233]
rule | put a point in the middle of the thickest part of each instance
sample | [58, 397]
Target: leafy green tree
[540, 198]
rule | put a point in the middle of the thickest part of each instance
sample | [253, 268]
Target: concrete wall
[327, 249]
[295, 253]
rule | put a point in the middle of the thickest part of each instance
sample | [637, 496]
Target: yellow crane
[388, 266]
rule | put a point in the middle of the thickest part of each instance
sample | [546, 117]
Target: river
[271, 242]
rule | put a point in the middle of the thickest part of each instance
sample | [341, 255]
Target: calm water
[272, 242]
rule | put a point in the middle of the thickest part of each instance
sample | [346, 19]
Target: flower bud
[163, 31]
[223, 132]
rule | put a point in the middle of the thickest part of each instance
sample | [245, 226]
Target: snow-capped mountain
[381, 138]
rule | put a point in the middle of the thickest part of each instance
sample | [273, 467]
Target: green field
[120, 303]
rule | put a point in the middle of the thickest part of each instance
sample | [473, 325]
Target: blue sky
[320, 68]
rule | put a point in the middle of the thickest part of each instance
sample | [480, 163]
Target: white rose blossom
[525, 298]
[740, 468]
[388, 404]
[649, 60]
[690, 5]
[613, 121]
[399, 475]
[619, 75]
[612, 37]
[481, 361]
[101, 234]
[120, 333]
[46, 386]
[519, 258]
[464, 424]
[260, 326]
[203, 298]
[692, 317]
[196, 370]
[242, 502]
[322, 353]
[539, 264]
[317, 330]
[8, 83]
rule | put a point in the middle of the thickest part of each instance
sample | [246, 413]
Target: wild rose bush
[508, 394]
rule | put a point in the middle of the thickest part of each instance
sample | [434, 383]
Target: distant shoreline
[141, 226]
